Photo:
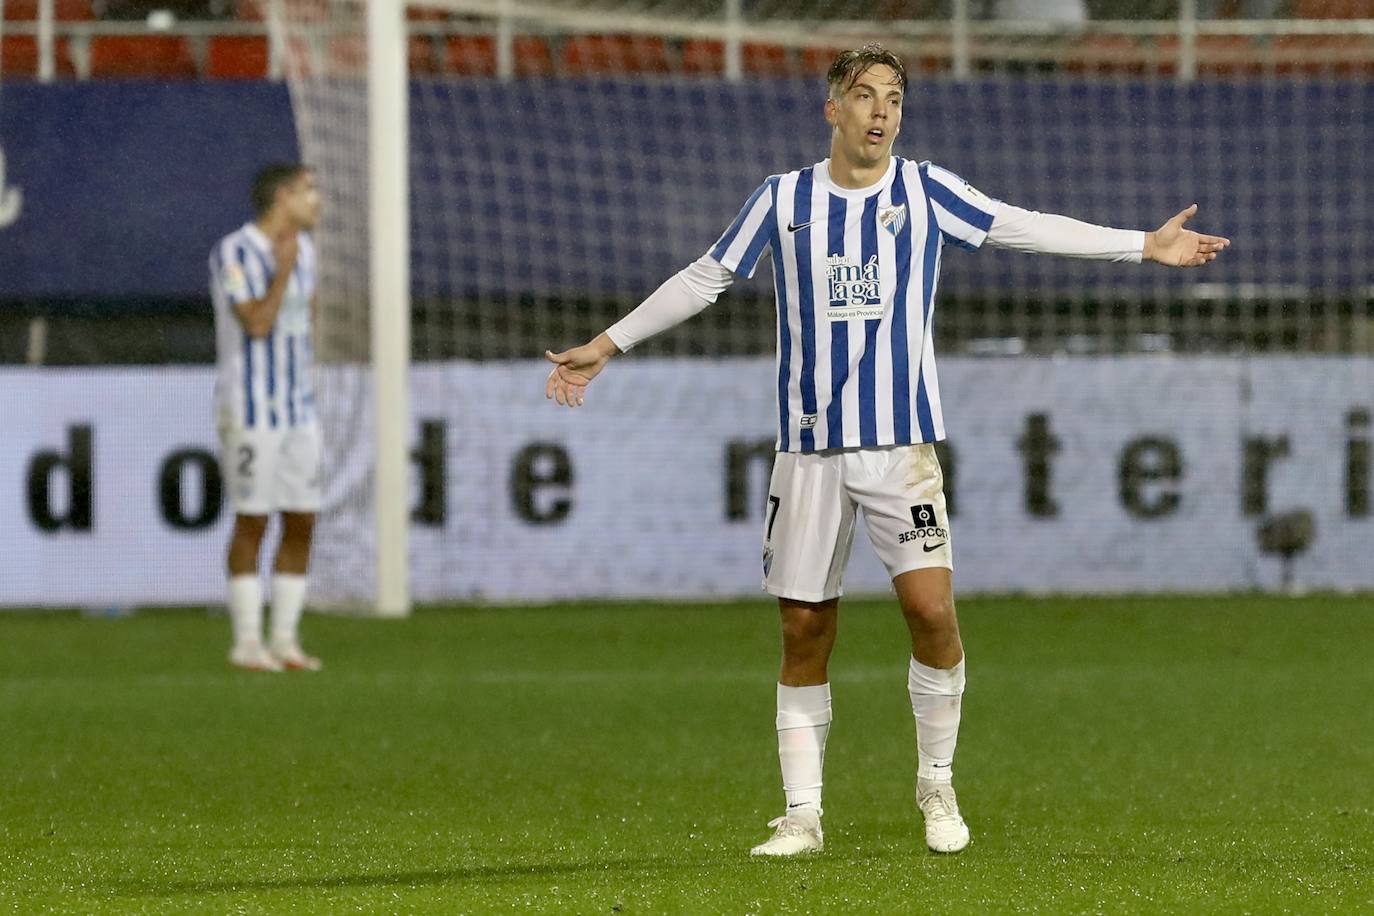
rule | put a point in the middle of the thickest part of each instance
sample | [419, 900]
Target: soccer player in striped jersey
[262, 283]
[857, 241]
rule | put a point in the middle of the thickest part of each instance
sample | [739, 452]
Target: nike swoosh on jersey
[792, 228]
[929, 547]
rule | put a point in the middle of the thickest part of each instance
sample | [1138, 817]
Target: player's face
[300, 200]
[867, 116]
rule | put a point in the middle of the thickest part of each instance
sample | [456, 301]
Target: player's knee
[249, 529]
[799, 633]
[929, 611]
[297, 527]
[806, 627]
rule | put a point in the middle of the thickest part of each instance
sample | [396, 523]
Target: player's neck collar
[262, 233]
[259, 238]
[824, 177]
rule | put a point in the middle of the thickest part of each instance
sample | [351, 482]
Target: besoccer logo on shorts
[927, 525]
[923, 515]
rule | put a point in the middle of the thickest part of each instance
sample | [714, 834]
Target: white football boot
[290, 657]
[253, 657]
[796, 833]
[945, 829]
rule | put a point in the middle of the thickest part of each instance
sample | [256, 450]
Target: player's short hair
[851, 65]
[272, 177]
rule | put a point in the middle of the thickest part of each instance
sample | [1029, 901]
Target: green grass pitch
[1179, 755]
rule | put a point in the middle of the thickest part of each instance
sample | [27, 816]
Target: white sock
[245, 609]
[936, 694]
[288, 600]
[803, 723]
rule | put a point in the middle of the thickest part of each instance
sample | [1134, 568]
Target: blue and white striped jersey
[263, 382]
[855, 273]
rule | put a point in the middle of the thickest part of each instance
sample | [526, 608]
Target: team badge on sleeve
[235, 281]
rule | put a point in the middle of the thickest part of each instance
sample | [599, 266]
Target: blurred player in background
[856, 246]
[262, 281]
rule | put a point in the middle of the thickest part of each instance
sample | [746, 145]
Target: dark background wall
[127, 184]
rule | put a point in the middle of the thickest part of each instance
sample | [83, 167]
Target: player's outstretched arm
[1174, 246]
[680, 297]
[574, 369]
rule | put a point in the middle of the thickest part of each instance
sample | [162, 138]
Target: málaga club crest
[893, 218]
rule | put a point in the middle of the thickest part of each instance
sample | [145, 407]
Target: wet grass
[1118, 755]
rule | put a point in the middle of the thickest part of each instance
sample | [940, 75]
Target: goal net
[1112, 427]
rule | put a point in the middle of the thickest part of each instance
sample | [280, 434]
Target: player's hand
[574, 369]
[284, 250]
[1174, 246]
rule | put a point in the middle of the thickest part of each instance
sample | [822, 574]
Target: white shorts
[809, 522]
[271, 470]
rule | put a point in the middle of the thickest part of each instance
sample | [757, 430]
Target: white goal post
[389, 257]
[345, 65]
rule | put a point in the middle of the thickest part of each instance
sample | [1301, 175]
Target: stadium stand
[237, 57]
[587, 55]
[63, 10]
[816, 61]
[182, 10]
[470, 55]
[226, 39]
[423, 56]
[1333, 9]
[141, 56]
[703, 56]
[1217, 55]
[532, 56]
[1324, 55]
[19, 57]
[768, 60]
[1107, 55]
